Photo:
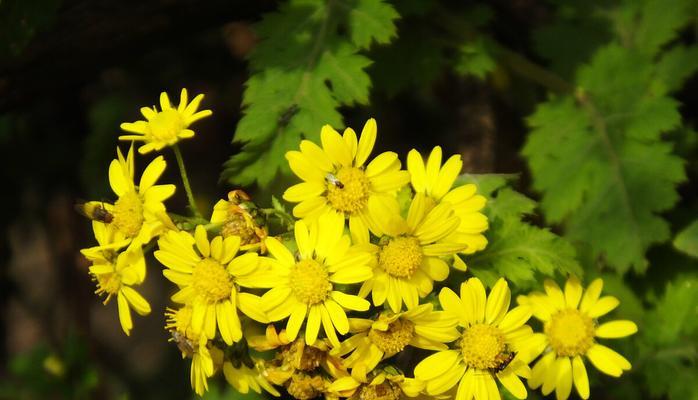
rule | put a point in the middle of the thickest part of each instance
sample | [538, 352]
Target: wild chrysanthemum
[115, 272]
[493, 344]
[336, 181]
[167, 126]
[245, 377]
[208, 278]
[409, 252]
[571, 330]
[193, 345]
[304, 285]
[436, 182]
[390, 333]
[139, 212]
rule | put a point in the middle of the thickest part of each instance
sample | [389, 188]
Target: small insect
[286, 116]
[94, 211]
[334, 181]
[185, 345]
[503, 359]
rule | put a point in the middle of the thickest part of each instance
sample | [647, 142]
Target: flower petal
[607, 361]
[616, 329]
[581, 380]
[366, 142]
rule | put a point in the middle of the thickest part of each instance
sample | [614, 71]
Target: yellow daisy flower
[165, 127]
[116, 272]
[243, 377]
[304, 285]
[436, 182]
[409, 252]
[571, 330]
[208, 278]
[191, 345]
[139, 212]
[374, 341]
[494, 343]
[337, 182]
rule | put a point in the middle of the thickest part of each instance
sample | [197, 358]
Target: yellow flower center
[108, 284]
[481, 346]
[128, 214]
[310, 282]
[236, 224]
[166, 125]
[570, 332]
[395, 339]
[401, 257]
[384, 391]
[349, 192]
[305, 387]
[211, 281]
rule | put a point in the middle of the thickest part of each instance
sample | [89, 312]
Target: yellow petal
[453, 306]
[304, 191]
[616, 329]
[497, 302]
[350, 302]
[335, 147]
[607, 361]
[466, 388]
[415, 165]
[312, 327]
[512, 383]
[563, 387]
[139, 304]
[296, 320]
[515, 318]
[303, 168]
[201, 238]
[338, 316]
[279, 251]
[448, 174]
[164, 101]
[382, 163]
[251, 306]
[117, 180]
[350, 139]
[573, 292]
[316, 156]
[152, 173]
[124, 314]
[555, 295]
[436, 364]
[581, 380]
[366, 142]
[478, 297]
[591, 295]
[603, 306]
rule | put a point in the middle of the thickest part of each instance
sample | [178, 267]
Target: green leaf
[677, 65]
[303, 70]
[649, 24]
[371, 21]
[475, 58]
[518, 250]
[687, 239]
[595, 158]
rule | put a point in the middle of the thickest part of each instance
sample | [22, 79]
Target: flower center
[211, 281]
[305, 387]
[310, 282]
[401, 256]
[128, 214]
[384, 391]
[349, 192]
[481, 346]
[300, 356]
[237, 225]
[395, 339]
[570, 332]
[166, 125]
[108, 284]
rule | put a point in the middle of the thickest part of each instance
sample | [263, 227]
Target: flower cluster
[348, 288]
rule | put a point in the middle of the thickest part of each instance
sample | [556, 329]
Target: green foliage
[227, 393]
[517, 250]
[306, 66]
[670, 341]
[20, 20]
[687, 239]
[475, 58]
[594, 154]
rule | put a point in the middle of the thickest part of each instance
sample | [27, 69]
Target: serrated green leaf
[304, 69]
[675, 315]
[594, 160]
[475, 58]
[677, 65]
[649, 24]
[371, 21]
[687, 240]
[518, 250]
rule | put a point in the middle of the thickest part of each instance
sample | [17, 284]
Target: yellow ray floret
[436, 183]
[208, 273]
[116, 272]
[304, 285]
[167, 126]
[410, 251]
[570, 334]
[375, 340]
[139, 213]
[494, 343]
[337, 181]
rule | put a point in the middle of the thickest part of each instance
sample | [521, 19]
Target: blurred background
[72, 70]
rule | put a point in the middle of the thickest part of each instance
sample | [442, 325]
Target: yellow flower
[139, 212]
[243, 377]
[208, 278]
[436, 182]
[336, 181]
[191, 345]
[236, 217]
[374, 341]
[494, 343]
[570, 327]
[165, 127]
[382, 386]
[304, 286]
[409, 253]
[116, 272]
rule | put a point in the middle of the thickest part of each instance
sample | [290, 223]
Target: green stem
[185, 182]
